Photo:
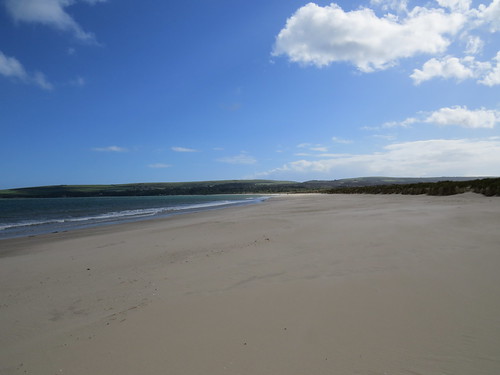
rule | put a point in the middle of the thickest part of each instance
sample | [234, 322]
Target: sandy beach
[306, 284]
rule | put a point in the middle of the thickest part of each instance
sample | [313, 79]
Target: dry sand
[320, 284]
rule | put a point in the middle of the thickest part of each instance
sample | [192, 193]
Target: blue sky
[118, 91]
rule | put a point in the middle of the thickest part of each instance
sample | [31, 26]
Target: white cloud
[333, 155]
[12, 68]
[456, 5]
[492, 77]
[387, 137]
[51, 13]
[436, 157]
[461, 116]
[110, 149]
[474, 45]
[392, 124]
[313, 147]
[159, 165]
[397, 5]
[449, 67]
[341, 140]
[183, 149]
[453, 116]
[322, 35]
[490, 15]
[242, 158]
[41, 80]
[452, 67]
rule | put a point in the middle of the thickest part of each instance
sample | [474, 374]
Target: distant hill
[350, 185]
[151, 189]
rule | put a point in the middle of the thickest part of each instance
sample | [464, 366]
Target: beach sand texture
[309, 284]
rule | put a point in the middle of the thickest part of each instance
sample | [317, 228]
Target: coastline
[297, 284]
[24, 217]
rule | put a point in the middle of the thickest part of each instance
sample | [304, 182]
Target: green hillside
[362, 185]
[142, 189]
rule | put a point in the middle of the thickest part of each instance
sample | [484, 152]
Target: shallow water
[26, 217]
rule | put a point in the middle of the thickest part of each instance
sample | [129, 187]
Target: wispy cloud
[110, 149]
[435, 157]
[183, 149]
[386, 137]
[313, 147]
[232, 107]
[78, 82]
[11, 67]
[341, 140]
[50, 13]
[242, 158]
[159, 165]
[454, 116]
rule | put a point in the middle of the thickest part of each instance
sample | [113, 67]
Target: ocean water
[32, 216]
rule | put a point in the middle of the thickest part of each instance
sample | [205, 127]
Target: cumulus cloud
[461, 116]
[490, 15]
[50, 13]
[448, 67]
[11, 67]
[454, 116]
[492, 77]
[322, 35]
[460, 69]
[397, 5]
[436, 157]
[455, 5]
[183, 149]
[242, 158]
[110, 149]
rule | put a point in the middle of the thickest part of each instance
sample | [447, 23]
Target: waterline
[32, 216]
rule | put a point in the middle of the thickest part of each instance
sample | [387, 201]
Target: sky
[123, 91]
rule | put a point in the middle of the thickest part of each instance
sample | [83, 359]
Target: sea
[32, 216]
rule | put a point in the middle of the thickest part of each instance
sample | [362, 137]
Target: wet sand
[309, 284]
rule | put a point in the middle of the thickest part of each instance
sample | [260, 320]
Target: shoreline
[297, 284]
[66, 220]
